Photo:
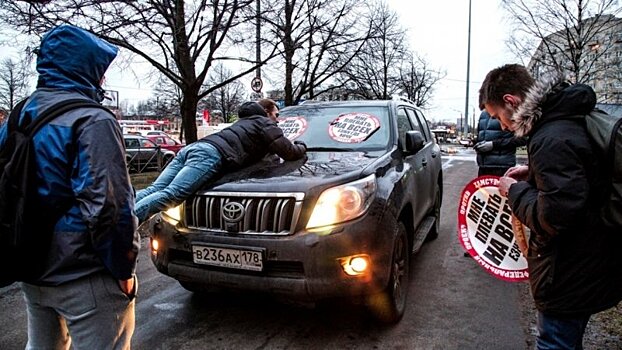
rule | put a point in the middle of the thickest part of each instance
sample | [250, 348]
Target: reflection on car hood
[272, 173]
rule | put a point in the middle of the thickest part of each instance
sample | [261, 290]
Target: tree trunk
[189, 115]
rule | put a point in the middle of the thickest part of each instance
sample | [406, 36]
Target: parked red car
[166, 142]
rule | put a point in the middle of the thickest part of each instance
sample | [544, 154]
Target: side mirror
[414, 141]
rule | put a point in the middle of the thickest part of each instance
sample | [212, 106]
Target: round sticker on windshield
[486, 230]
[353, 127]
[292, 126]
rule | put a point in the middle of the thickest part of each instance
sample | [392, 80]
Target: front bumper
[303, 265]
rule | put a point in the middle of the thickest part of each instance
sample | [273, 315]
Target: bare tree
[226, 98]
[372, 73]
[312, 33]
[180, 39]
[416, 80]
[578, 38]
[14, 77]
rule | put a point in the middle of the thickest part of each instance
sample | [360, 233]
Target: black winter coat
[251, 138]
[574, 262]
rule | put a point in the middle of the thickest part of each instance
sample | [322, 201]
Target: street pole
[258, 38]
[468, 67]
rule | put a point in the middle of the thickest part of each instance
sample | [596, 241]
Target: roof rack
[401, 98]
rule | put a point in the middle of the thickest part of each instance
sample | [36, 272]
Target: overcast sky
[438, 31]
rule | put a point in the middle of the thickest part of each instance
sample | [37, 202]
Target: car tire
[389, 305]
[436, 213]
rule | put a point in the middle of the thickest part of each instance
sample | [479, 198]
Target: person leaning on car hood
[245, 142]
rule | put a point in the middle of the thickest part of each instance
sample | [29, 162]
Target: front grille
[264, 213]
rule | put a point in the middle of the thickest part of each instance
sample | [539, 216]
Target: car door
[429, 163]
[414, 173]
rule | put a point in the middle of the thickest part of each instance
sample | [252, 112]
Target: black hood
[248, 109]
[296, 176]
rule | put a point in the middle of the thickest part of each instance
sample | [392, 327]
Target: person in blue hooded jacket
[496, 148]
[85, 296]
[248, 140]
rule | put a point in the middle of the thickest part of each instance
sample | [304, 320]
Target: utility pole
[258, 38]
[468, 67]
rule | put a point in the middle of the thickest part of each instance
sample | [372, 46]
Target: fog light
[355, 265]
[154, 245]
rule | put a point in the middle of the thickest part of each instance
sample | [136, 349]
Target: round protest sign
[292, 126]
[485, 230]
[353, 127]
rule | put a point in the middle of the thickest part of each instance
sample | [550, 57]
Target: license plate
[245, 259]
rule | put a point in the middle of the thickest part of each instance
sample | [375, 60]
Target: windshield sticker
[488, 232]
[292, 127]
[353, 127]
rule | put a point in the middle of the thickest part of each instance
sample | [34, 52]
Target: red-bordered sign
[485, 230]
[293, 127]
[353, 127]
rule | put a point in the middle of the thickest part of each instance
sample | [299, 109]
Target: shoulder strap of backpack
[57, 110]
[13, 122]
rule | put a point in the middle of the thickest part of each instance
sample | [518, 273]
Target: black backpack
[605, 130]
[26, 224]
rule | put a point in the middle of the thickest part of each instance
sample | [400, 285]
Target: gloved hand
[483, 146]
[301, 143]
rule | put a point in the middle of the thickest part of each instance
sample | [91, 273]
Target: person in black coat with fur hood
[247, 141]
[573, 258]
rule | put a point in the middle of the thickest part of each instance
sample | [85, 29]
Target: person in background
[573, 257]
[85, 297]
[496, 148]
[245, 142]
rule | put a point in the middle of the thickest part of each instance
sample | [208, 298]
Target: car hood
[272, 174]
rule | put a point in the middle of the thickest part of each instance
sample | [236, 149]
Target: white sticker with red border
[292, 127]
[485, 230]
[353, 127]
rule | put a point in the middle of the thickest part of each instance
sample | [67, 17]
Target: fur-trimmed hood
[552, 98]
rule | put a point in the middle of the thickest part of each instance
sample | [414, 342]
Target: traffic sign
[256, 84]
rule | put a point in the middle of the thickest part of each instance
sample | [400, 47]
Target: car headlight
[174, 213]
[342, 203]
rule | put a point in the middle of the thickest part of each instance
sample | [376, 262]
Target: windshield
[344, 128]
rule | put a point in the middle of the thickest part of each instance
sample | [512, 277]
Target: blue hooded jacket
[81, 160]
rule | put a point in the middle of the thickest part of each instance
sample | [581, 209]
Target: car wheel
[388, 306]
[436, 213]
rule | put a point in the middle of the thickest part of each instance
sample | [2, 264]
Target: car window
[416, 124]
[147, 143]
[340, 127]
[403, 125]
[131, 143]
[424, 125]
[169, 142]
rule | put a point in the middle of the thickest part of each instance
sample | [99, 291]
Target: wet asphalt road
[452, 304]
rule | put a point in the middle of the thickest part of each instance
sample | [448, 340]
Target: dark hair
[267, 104]
[511, 79]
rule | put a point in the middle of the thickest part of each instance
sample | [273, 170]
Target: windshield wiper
[330, 149]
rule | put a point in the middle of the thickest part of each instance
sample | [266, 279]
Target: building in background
[589, 53]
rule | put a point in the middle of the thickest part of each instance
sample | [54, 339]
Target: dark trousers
[560, 333]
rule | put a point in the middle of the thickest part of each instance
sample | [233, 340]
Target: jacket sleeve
[555, 198]
[281, 145]
[509, 142]
[105, 196]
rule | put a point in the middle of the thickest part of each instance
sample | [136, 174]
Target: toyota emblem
[232, 212]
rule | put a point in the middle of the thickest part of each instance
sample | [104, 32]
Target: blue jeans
[560, 333]
[191, 168]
